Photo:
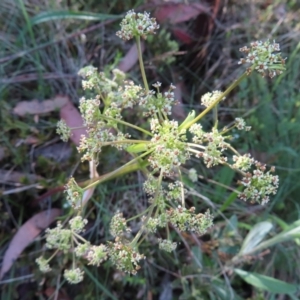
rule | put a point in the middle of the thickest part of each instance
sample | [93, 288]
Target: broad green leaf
[267, 283]
[136, 148]
[58, 15]
[255, 236]
[291, 234]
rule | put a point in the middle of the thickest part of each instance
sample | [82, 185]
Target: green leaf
[197, 255]
[230, 199]
[231, 227]
[267, 283]
[255, 236]
[136, 148]
[58, 15]
[222, 290]
[188, 119]
[291, 234]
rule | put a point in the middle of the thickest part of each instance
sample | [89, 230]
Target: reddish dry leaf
[36, 107]
[26, 235]
[73, 118]
[175, 13]
[59, 295]
[182, 35]
[31, 140]
[131, 58]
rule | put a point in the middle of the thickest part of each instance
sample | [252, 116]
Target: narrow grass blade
[58, 15]
[230, 199]
[99, 284]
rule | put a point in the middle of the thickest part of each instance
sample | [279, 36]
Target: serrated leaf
[255, 236]
[267, 283]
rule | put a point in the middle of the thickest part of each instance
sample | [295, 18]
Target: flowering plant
[165, 147]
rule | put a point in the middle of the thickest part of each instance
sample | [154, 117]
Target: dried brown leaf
[131, 58]
[175, 13]
[36, 107]
[26, 235]
[73, 119]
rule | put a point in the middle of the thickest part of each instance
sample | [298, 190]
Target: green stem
[227, 129]
[138, 235]
[127, 124]
[125, 142]
[118, 171]
[182, 188]
[73, 254]
[215, 114]
[77, 236]
[209, 108]
[52, 256]
[233, 150]
[138, 43]
[139, 215]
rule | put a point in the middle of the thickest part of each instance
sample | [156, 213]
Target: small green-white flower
[97, 254]
[124, 257]
[63, 130]
[74, 193]
[241, 124]
[82, 249]
[259, 185]
[193, 176]
[209, 98]
[170, 148]
[262, 58]
[243, 162]
[137, 24]
[77, 224]
[43, 264]
[167, 245]
[73, 276]
[186, 220]
[58, 238]
[118, 226]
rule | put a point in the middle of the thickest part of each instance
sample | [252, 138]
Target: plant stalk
[209, 108]
[138, 43]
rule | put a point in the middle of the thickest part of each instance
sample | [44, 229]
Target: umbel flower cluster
[262, 57]
[162, 150]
